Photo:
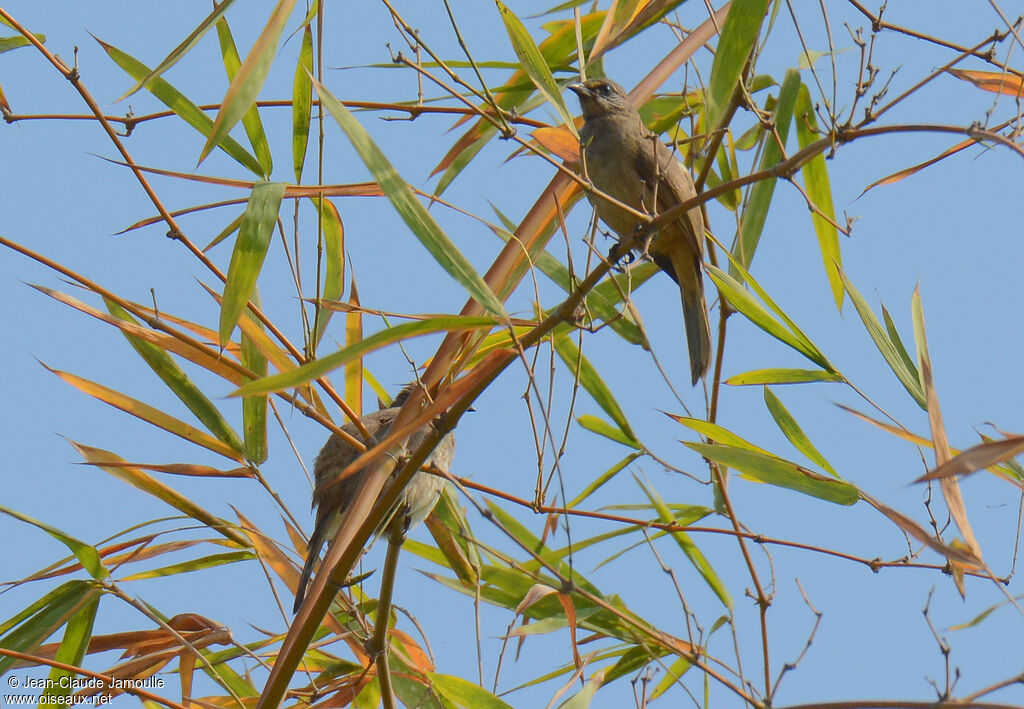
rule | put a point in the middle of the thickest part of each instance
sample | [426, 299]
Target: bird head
[599, 97]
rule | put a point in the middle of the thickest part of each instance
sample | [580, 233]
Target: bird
[624, 160]
[331, 498]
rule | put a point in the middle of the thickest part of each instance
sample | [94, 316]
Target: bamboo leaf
[739, 34]
[782, 473]
[465, 694]
[783, 376]
[334, 254]
[409, 207]
[791, 429]
[251, 120]
[87, 555]
[73, 647]
[591, 380]
[819, 189]
[904, 371]
[254, 408]
[740, 299]
[182, 49]
[178, 382]
[689, 549]
[182, 106]
[250, 77]
[148, 414]
[249, 253]
[760, 197]
[120, 469]
[534, 65]
[302, 102]
[319, 367]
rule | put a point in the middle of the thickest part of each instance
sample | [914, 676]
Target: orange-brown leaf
[559, 141]
[995, 81]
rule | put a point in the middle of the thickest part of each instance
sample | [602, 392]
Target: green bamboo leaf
[73, 646]
[251, 120]
[603, 428]
[898, 363]
[717, 433]
[760, 197]
[673, 675]
[178, 382]
[689, 549]
[254, 408]
[184, 567]
[594, 384]
[463, 693]
[334, 255]
[9, 43]
[633, 660]
[819, 189]
[792, 431]
[603, 298]
[583, 698]
[88, 556]
[777, 471]
[250, 250]
[182, 107]
[319, 367]
[534, 64]
[761, 293]
[739, 34]
[30, 628]
[182, 49]
[250, 77]
[783, 376]
[409, 207]
[897, 341]
[740, 299]
[558, 50]
[601, 479]
[138, 478]
[224, 233]
[302, 103]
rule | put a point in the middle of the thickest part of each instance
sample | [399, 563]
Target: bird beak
[578, 89]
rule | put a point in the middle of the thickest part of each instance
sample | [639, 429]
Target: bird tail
[698, 329]
[312, 554]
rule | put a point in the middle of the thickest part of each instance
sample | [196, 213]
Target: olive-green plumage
[624, 160]
[331, 498]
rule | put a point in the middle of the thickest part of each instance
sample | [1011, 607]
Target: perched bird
[627, 162]
[332, 500]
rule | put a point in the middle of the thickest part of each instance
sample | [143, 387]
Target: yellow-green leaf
[333, 231]
[760, 198]
[533, 63]
[251, 120]
[178, 381]
[689, 549]
[739, 33]
[302, 102]
[250, 77]
[250, 250]
[791, 429]
[409, 207]
[783, 376]
[182, 106]
[591, 380]
[319, 367]
[819, 189]
[777, 471]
